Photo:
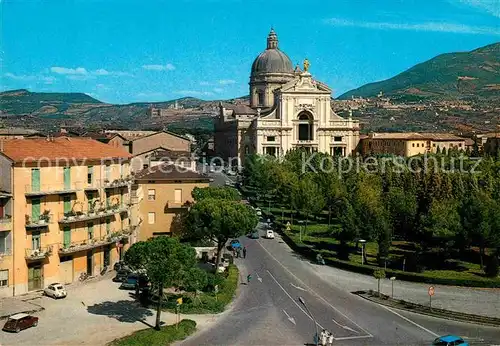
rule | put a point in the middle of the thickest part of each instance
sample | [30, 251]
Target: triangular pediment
[305, 83]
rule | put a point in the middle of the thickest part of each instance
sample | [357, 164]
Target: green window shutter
[67, 178]
[90, 175]
[35, 179]
[35, 210]
[67, 204]
[67, 236]
[108, 226]
[90, 230]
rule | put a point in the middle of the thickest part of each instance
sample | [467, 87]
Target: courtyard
[94, 313]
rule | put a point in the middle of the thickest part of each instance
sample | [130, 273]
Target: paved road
[268, 311]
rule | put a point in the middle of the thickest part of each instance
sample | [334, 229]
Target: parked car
[235, 244]
[55, 290]
[18, 322]
[121, 275]
[259, 212]
[134, 281]
[120, 265]
[270, 234]
[450, 340]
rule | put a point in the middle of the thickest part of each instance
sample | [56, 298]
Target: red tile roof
[29, 150]
[168, 171]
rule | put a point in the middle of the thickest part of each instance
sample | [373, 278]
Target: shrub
[165, 336]
[491, 270]
[412, 263]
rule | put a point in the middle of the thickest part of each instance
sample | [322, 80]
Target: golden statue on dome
[306, 65]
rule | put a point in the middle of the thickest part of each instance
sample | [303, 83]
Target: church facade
[288, 109]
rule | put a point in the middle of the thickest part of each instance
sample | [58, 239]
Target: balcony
[38, 254]
[5, 194]
[121, 182]
[41, 221]
[53, 189]
[67, 218]
[176, 205]
[91, 243]
[6, 223]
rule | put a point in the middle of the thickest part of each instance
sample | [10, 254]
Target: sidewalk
[478, 301]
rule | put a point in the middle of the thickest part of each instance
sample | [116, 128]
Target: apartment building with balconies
[163, 193]
[64, 210]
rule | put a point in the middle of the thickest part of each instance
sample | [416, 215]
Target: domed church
[288, 109]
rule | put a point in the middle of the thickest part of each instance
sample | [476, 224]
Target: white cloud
[69, 71]
[205, 83]
[218, 90]
[227, 81]
[19, 77]
[167, 67]
[427, 26]
[194, 93]
[81, 73]
[489, 6]
[41, 78]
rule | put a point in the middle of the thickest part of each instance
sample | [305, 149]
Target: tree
[307, 197]
[492, 269]
[219, 220]
[195, 279]
[165, 262]
[346, 230]
[379, 274]
[441, 225]
[227, 193]
[402, 207]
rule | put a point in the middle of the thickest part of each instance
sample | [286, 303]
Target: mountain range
[472, 77]
[463, 75]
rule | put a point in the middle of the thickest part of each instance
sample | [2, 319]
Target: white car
[259, 212]
[55, 290]
[270, 234]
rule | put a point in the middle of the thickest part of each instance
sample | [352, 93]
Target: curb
[425, 310]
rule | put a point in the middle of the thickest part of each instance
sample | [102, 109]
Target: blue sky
[129, 51]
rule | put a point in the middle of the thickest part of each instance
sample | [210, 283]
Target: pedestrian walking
[324, 337]
[245, 252]
[249, 277]
[330, 339]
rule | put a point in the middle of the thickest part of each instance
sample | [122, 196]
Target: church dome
[272, 60]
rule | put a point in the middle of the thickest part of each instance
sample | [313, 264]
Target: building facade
[288, 109]
[65, 211]
[164, 193]
[409, 144]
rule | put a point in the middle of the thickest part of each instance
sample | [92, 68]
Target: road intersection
[269, 310]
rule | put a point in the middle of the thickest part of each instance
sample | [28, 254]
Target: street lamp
[393, 278]
[316, 338]
[300, 229]
[363, 242]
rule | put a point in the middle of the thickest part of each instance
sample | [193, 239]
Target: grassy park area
[431, 266]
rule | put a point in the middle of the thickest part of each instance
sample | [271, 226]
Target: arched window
[261, 98]
[305, 128]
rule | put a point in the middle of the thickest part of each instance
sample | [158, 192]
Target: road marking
[317, 295]
[258, 277]
[345, 327]
[297, 287]
[293, 300]
[291, 319]
[408, 320]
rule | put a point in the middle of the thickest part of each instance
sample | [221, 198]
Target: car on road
[270, 234]
[121, 275]
[255, 235]
[18, 322]
[450, 340]
[258, 211]
[134, 281]
[55, 290]
[235, 244]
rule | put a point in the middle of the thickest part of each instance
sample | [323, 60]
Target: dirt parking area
[93, 313]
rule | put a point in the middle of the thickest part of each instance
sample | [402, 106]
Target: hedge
[401, 275]
[163, 337]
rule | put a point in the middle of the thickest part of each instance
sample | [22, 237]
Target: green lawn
[206, 303]
[163, 337]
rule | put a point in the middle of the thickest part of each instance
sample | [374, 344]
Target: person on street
[330, 339]
[324, 337]
[249, 277]
[245, 252]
